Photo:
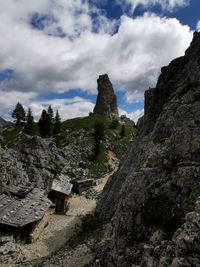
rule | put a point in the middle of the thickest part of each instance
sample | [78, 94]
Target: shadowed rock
[155, 189]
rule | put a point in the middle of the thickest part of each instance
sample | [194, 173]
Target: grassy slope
[113, 141]
[10, 135]
[77, 137]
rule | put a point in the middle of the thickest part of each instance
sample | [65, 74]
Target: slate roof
[20, 190]
[62, 186]
[82, 181]
[20, 212]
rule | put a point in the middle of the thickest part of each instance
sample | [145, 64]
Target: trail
[60, 229]
[63, 228]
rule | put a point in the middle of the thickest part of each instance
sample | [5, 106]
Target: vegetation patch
[10, 135]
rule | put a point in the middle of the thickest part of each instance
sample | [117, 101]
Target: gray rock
[159, 180]
[106, 104]
[31, 159]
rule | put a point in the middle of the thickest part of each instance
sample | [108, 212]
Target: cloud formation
[198, 26]
[164, 4]
[55, 46]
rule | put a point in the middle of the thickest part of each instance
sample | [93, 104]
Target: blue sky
[52, 52]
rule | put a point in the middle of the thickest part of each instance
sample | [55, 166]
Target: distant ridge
[3, 122]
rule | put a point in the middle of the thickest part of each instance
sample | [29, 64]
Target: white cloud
[198, 26]
[9, 99]
[43, 62]
[165, 4]
[68, 108]
[135, 115]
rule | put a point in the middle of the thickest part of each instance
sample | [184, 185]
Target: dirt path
[112, 159]
[114, 163]
[60, 229]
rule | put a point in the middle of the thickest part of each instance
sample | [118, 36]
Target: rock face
[106, 104]
[32, 159]
[158, 182]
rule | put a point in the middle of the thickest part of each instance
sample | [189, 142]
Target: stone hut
[59, 194]
[21, 216]
[82, 185]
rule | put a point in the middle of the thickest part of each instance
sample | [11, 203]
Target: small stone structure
[81, 186]
[20, 216]
[59, 194]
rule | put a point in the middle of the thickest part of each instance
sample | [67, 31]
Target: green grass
[72, 129]
[79, 134]
[98, 166]
[10, 135]
[121, 145]
[86, 123]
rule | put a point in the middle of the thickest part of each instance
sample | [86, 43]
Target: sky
[52, 51]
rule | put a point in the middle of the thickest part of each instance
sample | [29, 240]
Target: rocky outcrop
[158, 182]
[183, 250]
[125, 120]
[106, 104]
[32, 159]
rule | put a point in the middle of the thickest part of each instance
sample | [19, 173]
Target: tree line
[48, 124]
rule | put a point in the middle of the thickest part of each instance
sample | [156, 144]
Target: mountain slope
[3, 122]
[70, 153]
[158, 182]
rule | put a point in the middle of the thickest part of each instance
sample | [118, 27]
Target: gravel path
[49, 250]
[60, 229]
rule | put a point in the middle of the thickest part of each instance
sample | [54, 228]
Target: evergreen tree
[123, 131]
[97, 147]
[57, 123]
[50, 113]
[99, 129]
[45, 124]
[114, 124]
[99, 133]
[29, 126]
[19, 114]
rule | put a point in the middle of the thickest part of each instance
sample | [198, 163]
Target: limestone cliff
[31, 159]
[158, 182]
[106, 104]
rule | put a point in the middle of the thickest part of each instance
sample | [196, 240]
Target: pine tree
[50, 113]
[123, 131]
[57, 123]
[114, 124]
[99, 129]
[99, 133]
[97, 148]
[45, 124]
[19, 114]
[29, 126]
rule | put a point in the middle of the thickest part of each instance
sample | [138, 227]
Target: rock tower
[106, 104]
